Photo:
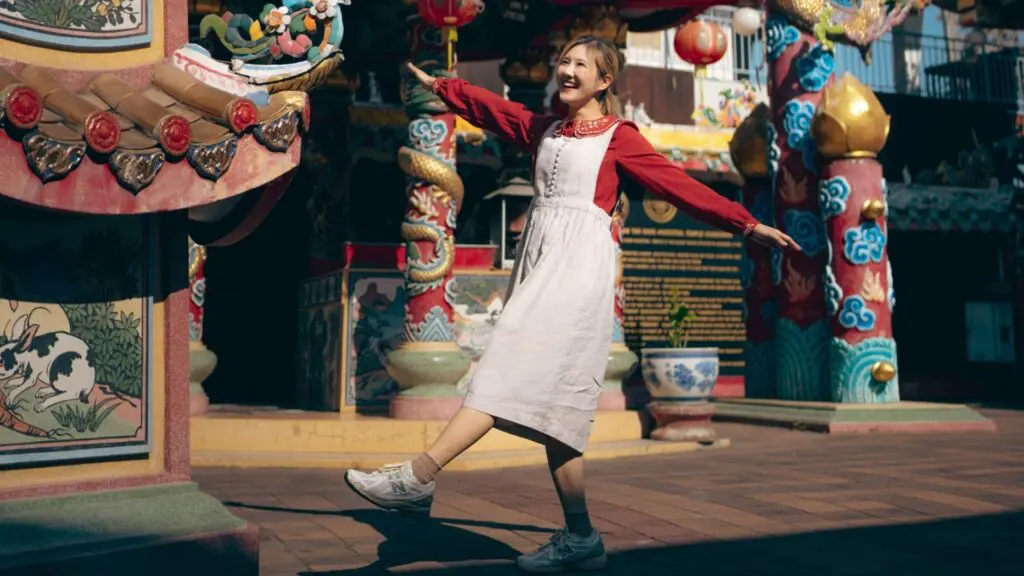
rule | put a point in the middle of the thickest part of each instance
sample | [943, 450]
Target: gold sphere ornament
[749, 144]
[882, 371]
[849, 121]
[873, 209]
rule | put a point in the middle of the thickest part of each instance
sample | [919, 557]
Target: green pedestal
[166, 529]
[836, 418]
[427, 375]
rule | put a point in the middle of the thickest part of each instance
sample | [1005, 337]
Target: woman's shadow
[408, 540]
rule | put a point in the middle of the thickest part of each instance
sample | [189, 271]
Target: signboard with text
[663, 250]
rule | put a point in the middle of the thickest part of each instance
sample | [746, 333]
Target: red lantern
[449, 16]
[701, 43]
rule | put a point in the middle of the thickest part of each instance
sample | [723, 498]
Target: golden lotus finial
[749, 144]
[850, 121]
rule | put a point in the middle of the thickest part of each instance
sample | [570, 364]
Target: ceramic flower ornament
[276, 19]
[323, 9]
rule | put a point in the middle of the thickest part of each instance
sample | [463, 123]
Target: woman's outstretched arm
[509, 121]
[637, 159]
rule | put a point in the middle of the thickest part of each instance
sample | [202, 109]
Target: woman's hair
[608, 60]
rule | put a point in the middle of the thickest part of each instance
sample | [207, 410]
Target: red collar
[585, 128]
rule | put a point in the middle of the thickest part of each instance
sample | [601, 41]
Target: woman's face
[578, 78]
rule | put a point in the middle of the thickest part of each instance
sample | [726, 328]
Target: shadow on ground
[988, 545]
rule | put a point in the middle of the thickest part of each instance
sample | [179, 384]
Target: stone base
[611, 399]
[408, 407]
[202, 362]
[169, 529]
[682, 422]
[198, 401]
[836, 418]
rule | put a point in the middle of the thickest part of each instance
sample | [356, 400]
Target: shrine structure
[120, 141]
[821, 352]
[413, 216]
[395, 312]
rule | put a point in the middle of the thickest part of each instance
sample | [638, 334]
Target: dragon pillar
[799, 68]
[429, 364]
[850, 128]
[202, 361]
[749, 154]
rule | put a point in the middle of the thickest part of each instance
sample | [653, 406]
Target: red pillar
[799, 69]
[202, 361]
[859, 294]
[759, 297]
[748, 149]
[429, 364]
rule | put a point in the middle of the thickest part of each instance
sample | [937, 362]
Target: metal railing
[928, 66]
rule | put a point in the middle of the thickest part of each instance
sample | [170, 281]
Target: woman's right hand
[425, 80]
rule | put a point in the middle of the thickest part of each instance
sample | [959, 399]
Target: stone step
[480, 460]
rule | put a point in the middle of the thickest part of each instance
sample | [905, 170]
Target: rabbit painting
[56, 358]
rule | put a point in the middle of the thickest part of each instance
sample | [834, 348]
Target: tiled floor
[776, 503]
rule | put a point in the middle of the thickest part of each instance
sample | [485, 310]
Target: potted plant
[680, 380]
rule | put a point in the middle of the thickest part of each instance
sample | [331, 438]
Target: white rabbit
[61, 361]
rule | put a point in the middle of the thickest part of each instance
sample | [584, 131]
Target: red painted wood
[468, 258]
[92, 188]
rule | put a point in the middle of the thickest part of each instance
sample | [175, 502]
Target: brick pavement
[776, 503]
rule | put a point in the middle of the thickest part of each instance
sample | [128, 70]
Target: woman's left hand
[772, 237]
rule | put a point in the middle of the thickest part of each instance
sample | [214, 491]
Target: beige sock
[424, 468]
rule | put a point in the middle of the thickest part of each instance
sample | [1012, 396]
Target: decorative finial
[749, 144]
[850, 121]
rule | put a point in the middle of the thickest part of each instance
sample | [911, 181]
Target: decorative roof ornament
[858, 23]
[293, 46]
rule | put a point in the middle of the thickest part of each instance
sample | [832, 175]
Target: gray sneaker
[564, 552]
[393, 487]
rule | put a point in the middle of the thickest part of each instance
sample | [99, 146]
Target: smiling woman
[565, 270]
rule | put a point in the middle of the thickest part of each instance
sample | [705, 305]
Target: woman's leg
[462, 431]
[409, 487]
[579, 547]
[566, 467]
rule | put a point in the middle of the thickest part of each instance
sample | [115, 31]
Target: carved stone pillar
[429, 364]
[202, 361]
[850, 128]
[799, 68]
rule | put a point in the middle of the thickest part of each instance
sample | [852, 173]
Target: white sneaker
[393, 487]
[566, 551]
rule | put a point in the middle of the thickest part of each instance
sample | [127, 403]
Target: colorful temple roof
[176, 130]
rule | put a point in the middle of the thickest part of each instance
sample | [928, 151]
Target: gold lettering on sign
[703, 267]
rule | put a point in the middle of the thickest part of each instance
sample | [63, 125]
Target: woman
[541, 373]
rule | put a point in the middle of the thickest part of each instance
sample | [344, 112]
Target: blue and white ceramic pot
[683, 375]
[680, 381]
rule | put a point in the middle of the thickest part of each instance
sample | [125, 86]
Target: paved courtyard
[775, 503]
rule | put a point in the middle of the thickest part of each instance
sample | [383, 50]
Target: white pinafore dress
[544, 364]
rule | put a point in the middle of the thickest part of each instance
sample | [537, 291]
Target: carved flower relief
[276, 19]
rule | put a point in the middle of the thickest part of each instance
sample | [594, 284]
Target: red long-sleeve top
[629, 154]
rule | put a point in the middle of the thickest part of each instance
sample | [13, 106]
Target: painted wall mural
[105, 25]
[75, 367]
[317, 369]
[372, 327]
[376, 323]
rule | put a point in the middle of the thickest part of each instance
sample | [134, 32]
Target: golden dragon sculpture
[446, 187]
